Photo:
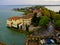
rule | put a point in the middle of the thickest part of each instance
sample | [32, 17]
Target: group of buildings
[18, 22]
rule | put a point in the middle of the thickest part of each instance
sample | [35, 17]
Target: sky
[29, 2]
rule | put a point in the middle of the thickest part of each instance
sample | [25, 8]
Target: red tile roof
[14, 18]
[36, 11]
[23, 17]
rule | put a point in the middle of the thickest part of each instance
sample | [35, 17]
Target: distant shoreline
[29, 5]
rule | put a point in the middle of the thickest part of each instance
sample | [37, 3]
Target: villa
[13, 21]
[17, 22]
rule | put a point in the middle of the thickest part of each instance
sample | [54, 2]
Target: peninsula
[44, 23]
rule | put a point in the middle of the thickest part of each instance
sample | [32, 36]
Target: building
[15, 20]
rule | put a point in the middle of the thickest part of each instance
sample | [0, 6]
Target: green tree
[57, 24]
[59, 11]
[56, 17]
[34, 19]
[46, 12]
[44, 21]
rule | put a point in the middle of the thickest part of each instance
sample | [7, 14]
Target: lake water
[9, 36]
[54, 8]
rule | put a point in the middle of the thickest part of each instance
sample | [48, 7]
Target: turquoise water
[9, 36]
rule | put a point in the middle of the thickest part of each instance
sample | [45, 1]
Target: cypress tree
[59, 11]
[34, 19]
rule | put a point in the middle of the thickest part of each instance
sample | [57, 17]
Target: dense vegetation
[47, 15]
[35, 20]
[57, 24]
[44, 21]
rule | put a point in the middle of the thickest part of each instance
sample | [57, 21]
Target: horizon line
[36, 5]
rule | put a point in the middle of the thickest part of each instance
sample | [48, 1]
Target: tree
[51, 16]
[46, 12]
[56, 17]
[38, 19]
[44, 21]
[34, 20]
[57, 24]
[59, 11]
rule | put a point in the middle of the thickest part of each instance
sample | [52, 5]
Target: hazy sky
[29, 2]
